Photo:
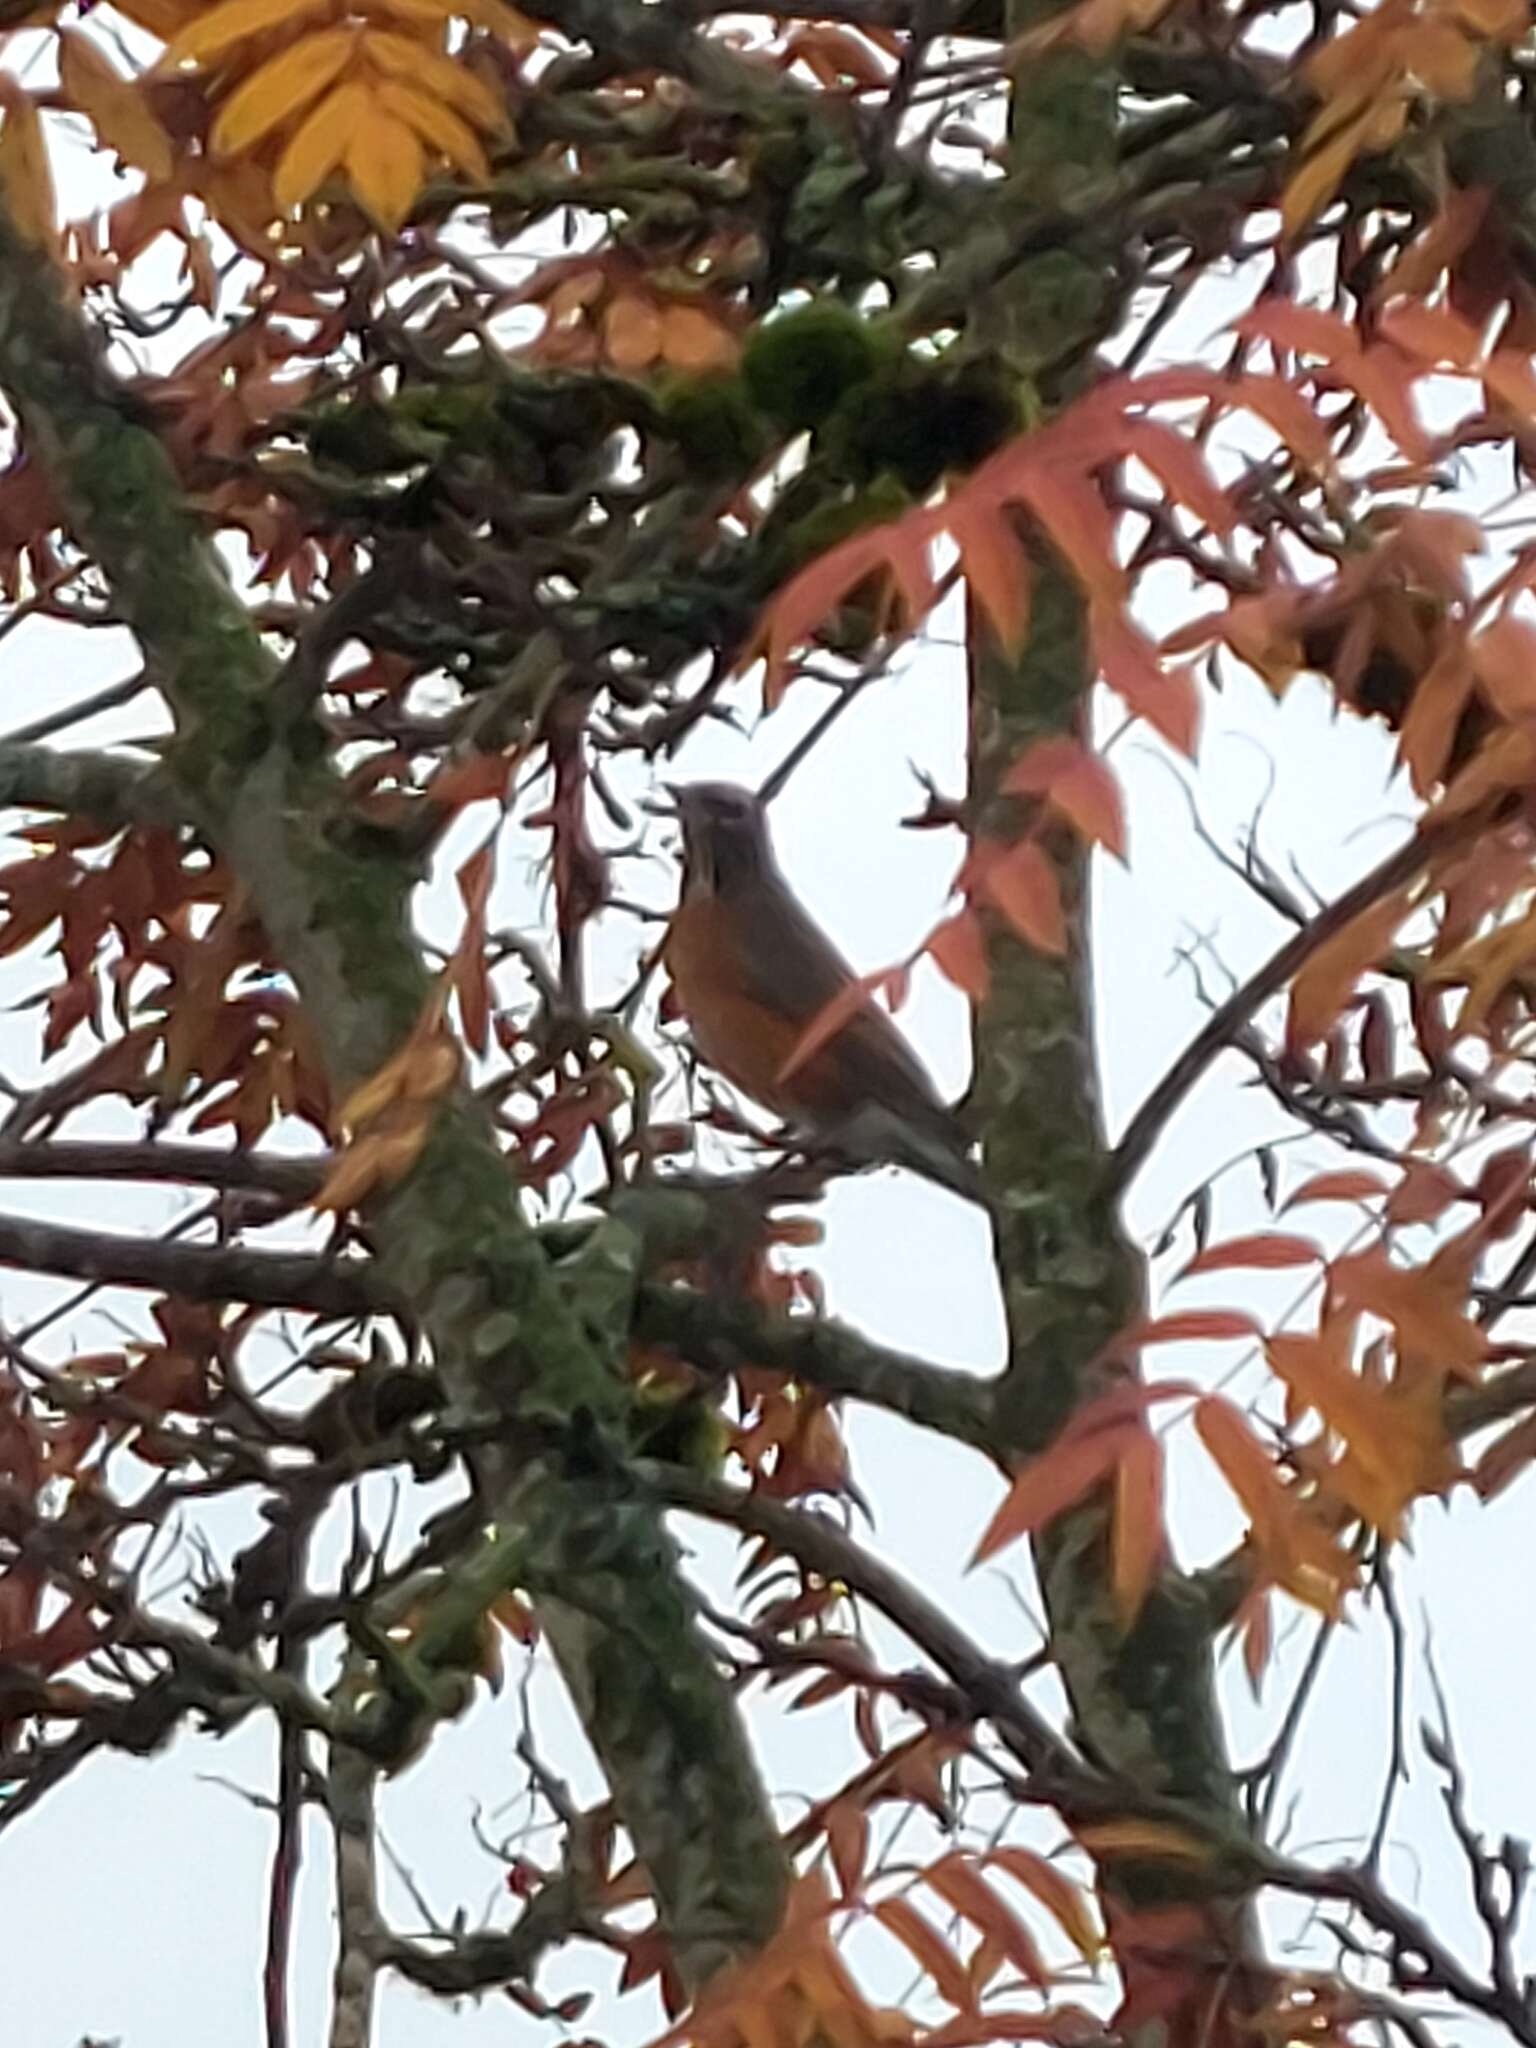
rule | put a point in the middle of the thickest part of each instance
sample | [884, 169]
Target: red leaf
[1424, 1192]
[1021, 883]
[1286, 413]
[1433, 333]
[828, 1021]
[1180, 468]
[1349, 1184]
[1166, 698]
[1267, 1249]
[1053, 1482]
[1196, 1326]
[995, 566]
[1071, 512]
[1302, 329]
[1078, 783]
[960, 953]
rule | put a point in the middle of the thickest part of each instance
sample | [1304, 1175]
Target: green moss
[715, 425]
[922, 420]
[799, 366]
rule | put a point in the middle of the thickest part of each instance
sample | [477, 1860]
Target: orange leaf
[1021, 883]
[959, 951]
[1429, 727]
[1265, 1248]
[1293, 1542]
[1072, 514]
[923, 1942]
[1327, 981]
[26, 176]
[1508, 376]
[384, 164]
[319, 145]
[692, 338]
[1053, 1482]
[1424, 1192]
[1425, 260]
[437, 125]
[1139, 1541]
[1061, 1898]
[847, 1831]
[632, 332]
[995, 565]
[1424, 1304]
[792, 616]
[281, 88]
[1302, 329]
[1433, 333]
[1166, 698]
[1255, 1623]
[1505, 658]
[453, 82]
[216, 29]
[115, 106]
[957, 1880]
[828, 1021]
[1286, 413]
[1078, 783]
[1179, 466]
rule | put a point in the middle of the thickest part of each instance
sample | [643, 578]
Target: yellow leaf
[161, 17]
[1150, 1838]
[1322, 169]
[114, 105]
[209, 35]
[438, 12]
[281, 88]
[25, 175]
[435, 124]
[320, 144]
[384, 163]
[450, 80]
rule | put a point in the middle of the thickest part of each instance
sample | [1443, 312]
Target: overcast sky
[133, 1899]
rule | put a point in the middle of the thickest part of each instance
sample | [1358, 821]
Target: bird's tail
[936, 1148]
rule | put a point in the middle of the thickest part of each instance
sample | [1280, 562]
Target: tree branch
[720, 1335]
[114, 789]
[1227, 1020]
[197, 1272]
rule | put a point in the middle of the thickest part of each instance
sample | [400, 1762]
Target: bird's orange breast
[748, 1042]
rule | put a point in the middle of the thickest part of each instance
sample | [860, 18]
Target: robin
[753, 973]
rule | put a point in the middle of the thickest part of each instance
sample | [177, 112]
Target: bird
[752, 972]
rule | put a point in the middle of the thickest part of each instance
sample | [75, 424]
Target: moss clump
[799, 367]
[715, 425]
[922, 420]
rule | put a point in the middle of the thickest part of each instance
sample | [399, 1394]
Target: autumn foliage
[507, 398]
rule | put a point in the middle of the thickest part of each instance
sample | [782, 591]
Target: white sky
[133, 1900]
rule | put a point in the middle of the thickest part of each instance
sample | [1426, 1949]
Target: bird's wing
[790, 966]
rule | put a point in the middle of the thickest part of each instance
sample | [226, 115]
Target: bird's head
[725, 831]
